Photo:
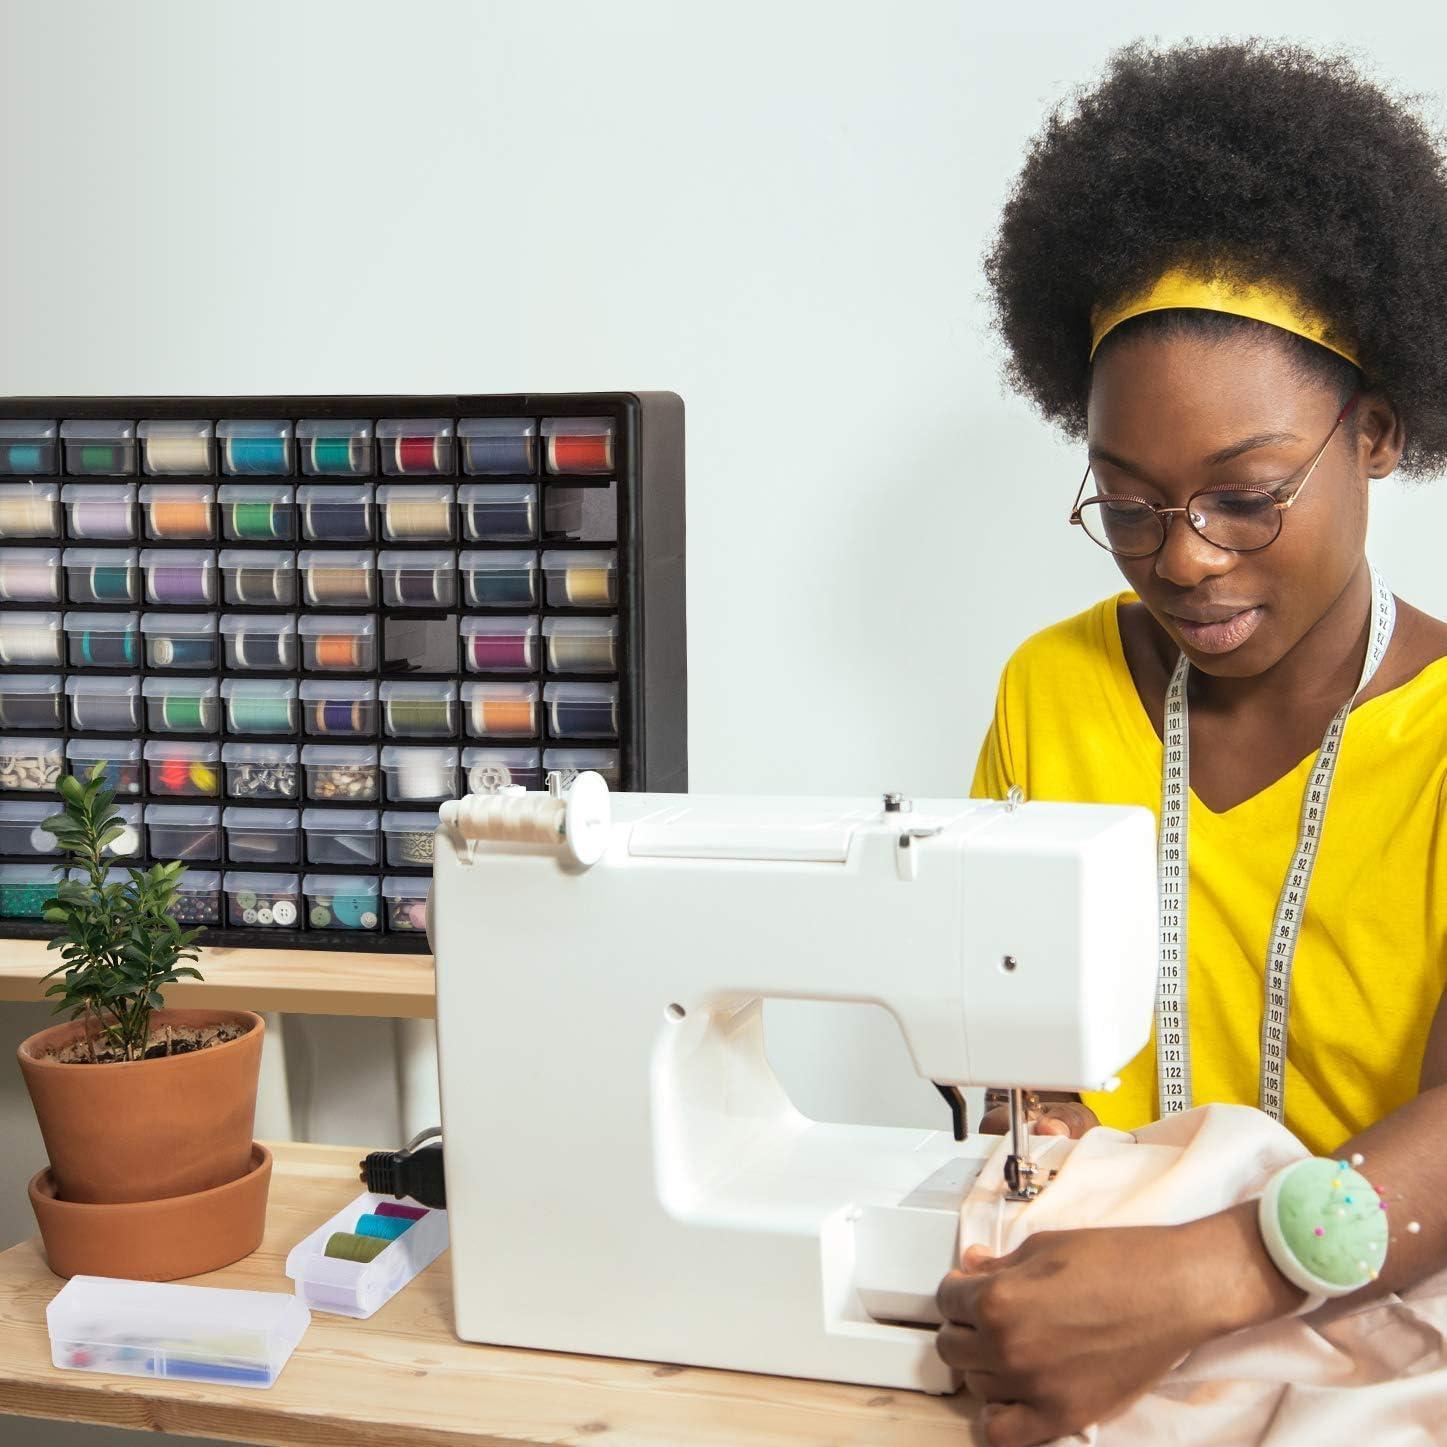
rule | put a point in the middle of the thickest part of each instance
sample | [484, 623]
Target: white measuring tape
[1173, 1037]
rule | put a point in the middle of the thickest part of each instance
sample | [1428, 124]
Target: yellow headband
[1276, 305]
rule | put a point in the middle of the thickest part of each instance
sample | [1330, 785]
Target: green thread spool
[581, 652]
[100, 457]
[348, 1246]
[256, 520]
[185, 711]
[111, 584]
[411, 717]
[252, 714]
[332, 455]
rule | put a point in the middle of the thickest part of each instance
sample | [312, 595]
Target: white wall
[775, 209]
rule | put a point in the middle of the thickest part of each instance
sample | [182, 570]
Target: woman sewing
[1225, 272]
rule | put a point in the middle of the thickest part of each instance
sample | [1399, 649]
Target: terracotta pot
[155, 1240]
[146, 1130]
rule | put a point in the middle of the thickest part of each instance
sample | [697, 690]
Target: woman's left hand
[1074, 1325]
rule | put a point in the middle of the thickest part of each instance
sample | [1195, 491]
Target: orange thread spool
[504, 715]
[339, 650]
[181, 517]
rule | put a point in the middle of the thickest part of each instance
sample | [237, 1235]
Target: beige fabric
[1374, 1372]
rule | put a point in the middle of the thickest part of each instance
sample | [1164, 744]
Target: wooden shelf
[304, 982]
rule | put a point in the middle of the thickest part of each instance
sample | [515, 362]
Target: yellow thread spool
[588, 587]
[418, 520]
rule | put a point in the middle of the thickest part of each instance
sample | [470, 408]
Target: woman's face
[1169, 416]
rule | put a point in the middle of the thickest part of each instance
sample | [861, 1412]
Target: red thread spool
[581, 454]
[417, 454]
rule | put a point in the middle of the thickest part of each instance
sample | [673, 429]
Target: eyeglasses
[1236, 519]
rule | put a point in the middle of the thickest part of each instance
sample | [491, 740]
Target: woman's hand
[1055, 1115]
[1074, 1325]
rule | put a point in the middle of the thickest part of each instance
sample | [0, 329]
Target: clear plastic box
[184, 831]
[498, 446]
[180, 576]
[259, 705]
[498, 512]
[581, 645]
[180, 640]
[261, 771]
[254, 448]
[404, 903]
[572, 762]
[29, 637]
[178, 512]
[335, 447]
[29, 763]
[419, 775]
[101, 575]
[181, 705]
[339, 644]
[262, 900]
[121, 757]
[104, 703]
[341, 773]
[30, 575]
[259, 577]
[30, 701]
[259, 640]
[102, 640]
[582, 710]
[409, 837]
[29, 510]
[98, 449]
[198, 897]
[346, 578]
[20, 831]
[418, 579]
[28, 446]
[257, 512]
[502, 578]
[342, 706]
[424, 709]
[501, 644]
[581, 578]
[261, 836]
[100, 511]
[177, 448]
[416, 512]
[344, 837]
[183, 768]
[337, 514]
[358, 1288]
[500, 710]
[24, 888]
[128, 842]
[414, 447]
[578, 445]
[342, 901]
[491, 770]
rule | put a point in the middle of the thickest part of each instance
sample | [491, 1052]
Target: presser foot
[1021, 1172]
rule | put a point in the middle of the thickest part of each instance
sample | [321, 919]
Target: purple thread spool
[179, 584]
[511, 652]
[102, 517]
[338, 716]
[396, 1208]
[417, 587]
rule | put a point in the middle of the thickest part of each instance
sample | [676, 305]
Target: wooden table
[403, 1380]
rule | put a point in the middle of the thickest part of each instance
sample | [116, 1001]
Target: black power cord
[414, 1172]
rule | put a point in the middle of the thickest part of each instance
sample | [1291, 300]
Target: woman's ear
[1380, 435]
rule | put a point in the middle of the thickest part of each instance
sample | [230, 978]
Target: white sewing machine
[625, 1174]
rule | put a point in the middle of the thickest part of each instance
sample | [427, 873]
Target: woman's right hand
[1065, 1115]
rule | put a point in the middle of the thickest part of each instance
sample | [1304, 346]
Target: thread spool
[583, 717]
[260, 521]
[418, 454]
[414, 520]
[337, 456]
[510, 521]
[338, 522]
[588, 587]
[106, 457]
[260, 714]
[28, 515]
[398, 1208]
[502, 587]
[106, 650]
[29, 582]
[257, 456]
[339, 585]
[337, 650]
[262, 650]
[102, 517]
[19, 644]
[186, 713]
[585, 453]
[348, 1246]
[186, 651]
[412, 587]
[581, 652]
[508, 717]
[503, 652]
[179, 517]
[386, 1228]
[106, 712]
[337, 716]
[260, 585]
[27, 457]
[178, 454]
[419, 717]
[494, 454]
[179, 583]
[420, 776]
[516, 818]
[104, 583]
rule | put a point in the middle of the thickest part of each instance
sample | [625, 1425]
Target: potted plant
[146, 1112]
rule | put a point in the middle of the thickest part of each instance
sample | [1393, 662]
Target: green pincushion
[1333, 1222]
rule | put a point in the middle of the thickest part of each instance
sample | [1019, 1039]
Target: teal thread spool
[108, 650]
[24, 457]
[332, 456]
[257, 456]
[502, 586]
[183, 653]
[253, 520]
[387, 1228]
[260, 714]
[348, 1246]
[111, 583]
[185, 712]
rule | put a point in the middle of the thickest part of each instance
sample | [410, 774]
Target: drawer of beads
[581, 645]
[29, 638]
[261, 836]
[416, 512]
[262, 900]
[184, 831]
[345, 837]
[102, 640]
[489, 771]
[334, 447]
[339, 706]
[331, 514]
[99, 448]
[252, 448]
[418, 579]
[582, 710]
[257, 512]
[409, 837]
[342, 901]
[176, 512]
[261, 771]
[31, 575]
[265, 641]
[120, 758]
[181, 705]
[404, 902]
[578, 578]
[418, 710]
[338, 643]
[100, 511]
[258, 577]
[500, 710]
[180, 576]
[28, 448]
[419, 775]
[344, 773]
[183, 768]
[177, 448]
[500, 644]
[501, 578]
[29, 763]
[180, 640]
[413, 447]
[101, 575]
[24, 889]
[498, 512]
[198, 897]
[572, 762]
[344, 578]
[30, 701]
[20, 827]
[105, 703]
[259, 705]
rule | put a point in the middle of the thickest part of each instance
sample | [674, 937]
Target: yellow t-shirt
[1371, 959]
